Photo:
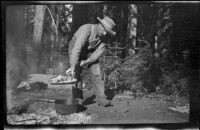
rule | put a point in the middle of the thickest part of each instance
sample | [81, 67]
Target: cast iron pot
[68, 106]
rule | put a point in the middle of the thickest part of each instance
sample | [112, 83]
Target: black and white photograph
[93, 62]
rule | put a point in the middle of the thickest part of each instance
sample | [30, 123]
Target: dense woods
[150, 68]
[155, 50]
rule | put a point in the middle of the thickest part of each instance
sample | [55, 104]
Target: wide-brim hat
[108, 24]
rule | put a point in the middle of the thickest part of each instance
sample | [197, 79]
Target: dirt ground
[136, 112]
[125, 110]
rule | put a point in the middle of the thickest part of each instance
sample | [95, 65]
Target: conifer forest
[150, 67]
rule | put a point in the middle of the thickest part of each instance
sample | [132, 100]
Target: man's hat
[108, 24]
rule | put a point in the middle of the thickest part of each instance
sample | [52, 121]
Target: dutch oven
[68, 106]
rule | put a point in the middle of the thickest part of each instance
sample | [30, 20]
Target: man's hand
[70, 72]
[85, 62]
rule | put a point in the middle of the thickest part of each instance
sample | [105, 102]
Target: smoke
[15, 50]
[22, 57]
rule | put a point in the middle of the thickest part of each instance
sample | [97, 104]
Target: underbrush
[144, 74]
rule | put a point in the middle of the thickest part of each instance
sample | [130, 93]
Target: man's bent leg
[98, 85]
[97, 82]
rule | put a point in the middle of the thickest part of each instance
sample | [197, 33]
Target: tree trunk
[124, 25]
[94, 11]
[38, 24]
[80, 13]
[132, 25]
[37, 38]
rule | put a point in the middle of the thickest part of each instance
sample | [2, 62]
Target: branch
[125, 59]
[54, 23]
[145, 41]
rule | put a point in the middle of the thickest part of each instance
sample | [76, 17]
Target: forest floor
[136, 112]
[125, 109]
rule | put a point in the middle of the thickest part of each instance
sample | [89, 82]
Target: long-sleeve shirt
[85, 36]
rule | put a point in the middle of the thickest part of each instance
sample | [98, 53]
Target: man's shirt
[85, 39]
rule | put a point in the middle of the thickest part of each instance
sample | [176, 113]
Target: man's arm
[81, 37]
[95, 55]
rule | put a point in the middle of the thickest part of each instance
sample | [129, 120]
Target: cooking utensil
[64, 106]
[68, 106]
[63, 82]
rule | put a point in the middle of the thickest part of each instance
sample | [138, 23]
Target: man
[85, 48]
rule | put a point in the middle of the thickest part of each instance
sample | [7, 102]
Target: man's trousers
[94, 69]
